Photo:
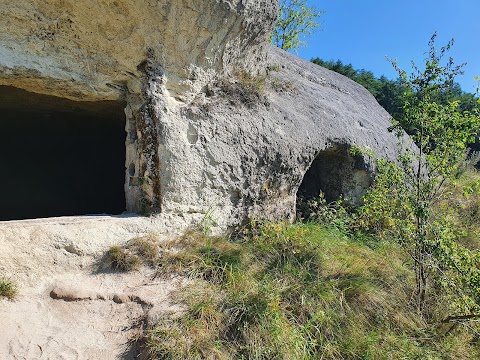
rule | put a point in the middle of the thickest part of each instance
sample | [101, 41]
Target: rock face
[93, 49]
[217, 122]
[251, 153]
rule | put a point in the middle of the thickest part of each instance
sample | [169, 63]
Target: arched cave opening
[335, 173]
[60, 157]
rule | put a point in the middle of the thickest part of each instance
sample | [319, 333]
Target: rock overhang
[254, 157]
[92, 50]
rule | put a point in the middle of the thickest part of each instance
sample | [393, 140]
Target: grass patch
[241, 88]
[137, 251]
[302, 291]
[8, 289]
[146, 247]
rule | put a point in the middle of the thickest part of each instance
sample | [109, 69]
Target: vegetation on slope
[322, 288]
[301, 291]
[137, 251]
[390, 93]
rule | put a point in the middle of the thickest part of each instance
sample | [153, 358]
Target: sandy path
[66, 308]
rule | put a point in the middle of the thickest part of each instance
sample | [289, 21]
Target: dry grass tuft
[146, 247]
[119, 258]
[137, 251]
[8, 289]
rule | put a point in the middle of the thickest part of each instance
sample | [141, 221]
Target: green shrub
[337, 213]
[403, 203]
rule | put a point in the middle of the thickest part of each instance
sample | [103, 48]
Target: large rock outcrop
[217, 122]
[245, 147]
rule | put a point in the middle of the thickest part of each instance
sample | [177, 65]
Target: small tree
[406, 192]
[295, 21]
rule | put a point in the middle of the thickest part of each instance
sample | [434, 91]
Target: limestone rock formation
[217, 122]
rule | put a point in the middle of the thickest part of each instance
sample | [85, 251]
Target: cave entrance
[60, 157]
[335, 173]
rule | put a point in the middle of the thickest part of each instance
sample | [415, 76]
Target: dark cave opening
[337, 174]
[60, 157]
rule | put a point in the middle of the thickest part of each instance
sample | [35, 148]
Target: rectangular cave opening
[60, 157]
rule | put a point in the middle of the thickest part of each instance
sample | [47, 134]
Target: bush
[337, 213]
[403, 203]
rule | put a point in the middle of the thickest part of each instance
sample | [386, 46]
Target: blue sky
[363, 32]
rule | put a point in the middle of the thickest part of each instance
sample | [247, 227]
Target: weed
[273, 67]
[283, 86]
[208, 221]
[147, 248]
[251, 83]
[241, 88]
[8, 289]
[336, 213]
[245, 89]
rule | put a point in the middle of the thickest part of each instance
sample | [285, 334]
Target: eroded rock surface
[242, 149]
[94, 50]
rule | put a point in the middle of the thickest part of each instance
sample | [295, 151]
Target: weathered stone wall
[105, 50]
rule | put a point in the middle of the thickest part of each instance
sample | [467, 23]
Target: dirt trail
[66, 308]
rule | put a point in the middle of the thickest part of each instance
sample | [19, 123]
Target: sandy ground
[66, 307]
